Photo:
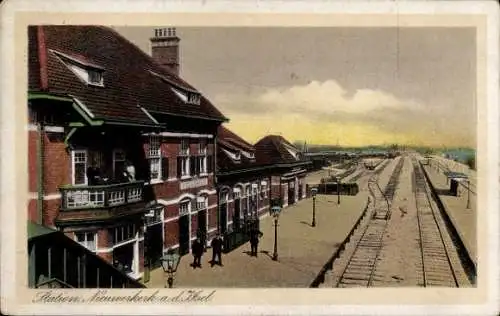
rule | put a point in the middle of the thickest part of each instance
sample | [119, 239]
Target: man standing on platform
[217, 250]
[197, 249]
[255, 234]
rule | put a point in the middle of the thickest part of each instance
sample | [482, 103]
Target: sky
[334, 85]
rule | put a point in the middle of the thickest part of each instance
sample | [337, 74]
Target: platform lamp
[275, 213]
[170, 262]
[468, 193]
[314, 191]
[337, 180]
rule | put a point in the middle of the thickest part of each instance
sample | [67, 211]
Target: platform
[462, 218]
[302, 249]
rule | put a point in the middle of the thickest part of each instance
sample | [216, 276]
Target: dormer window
[95, 77]
[187, 97]
[86, 71]
[235, 156]
[194, 98]
[249, 155]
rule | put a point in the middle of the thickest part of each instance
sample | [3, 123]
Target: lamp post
[170, 262]
[337, 179]
[313, 193]
[275, 212]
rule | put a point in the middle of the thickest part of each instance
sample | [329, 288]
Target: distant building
[289, 168]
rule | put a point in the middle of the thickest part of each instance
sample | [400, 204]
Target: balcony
[101, 196]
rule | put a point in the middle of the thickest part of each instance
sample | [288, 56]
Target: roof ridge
[150, 58]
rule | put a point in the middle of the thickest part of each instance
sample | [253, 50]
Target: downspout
[40, 156]
[216, 182]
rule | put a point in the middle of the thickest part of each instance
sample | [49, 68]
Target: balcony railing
[101, 196]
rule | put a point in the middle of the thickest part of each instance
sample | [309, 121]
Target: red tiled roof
[231, 142]
[128, 81]
[271, 149]
[227, 135]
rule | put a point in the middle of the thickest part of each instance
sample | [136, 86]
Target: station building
[121, 149]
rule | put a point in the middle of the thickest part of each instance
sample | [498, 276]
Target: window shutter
[192, 165]
[209, 164]
[164, 168]
[179, 167]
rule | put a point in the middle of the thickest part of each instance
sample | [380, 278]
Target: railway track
[436, 262]
[361, 264]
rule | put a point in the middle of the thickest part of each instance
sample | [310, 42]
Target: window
[202, 164]
[95, 77]
[123, 233]
[184, 147]
[118, 163]
[194, 98]
[87, 239]
[154, 216]
[202, 147]
[184, 208]
[236, 194]
[224, 197]
[154, 157]
[185, 166]
[201, 203]
[79, 162]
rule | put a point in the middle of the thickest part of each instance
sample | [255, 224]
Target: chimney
[165, 48]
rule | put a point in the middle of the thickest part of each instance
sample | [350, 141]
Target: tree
[471, 162]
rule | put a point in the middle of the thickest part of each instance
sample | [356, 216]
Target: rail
[466, 259]
[436, 263]
[320, 278]
[362, 262]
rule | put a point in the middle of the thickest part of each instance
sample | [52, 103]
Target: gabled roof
[230, 137]
[272, 149]
[227, 141]
[131, 77]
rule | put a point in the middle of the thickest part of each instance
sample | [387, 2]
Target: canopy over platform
[458, 176]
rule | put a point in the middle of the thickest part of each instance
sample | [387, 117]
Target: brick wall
[57, 163]
[32, 161]
[212, 218]
[104, 240]
[108, 256]
[194, 224]
[50, 211]
[171, 211]
[32, 210]
[171, 233]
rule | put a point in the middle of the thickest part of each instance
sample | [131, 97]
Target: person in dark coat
[197, 249]
[255, 234]
[216, 250]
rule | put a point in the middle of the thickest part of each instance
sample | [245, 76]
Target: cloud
[362, 117]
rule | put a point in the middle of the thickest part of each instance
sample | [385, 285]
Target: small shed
[455, 178]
